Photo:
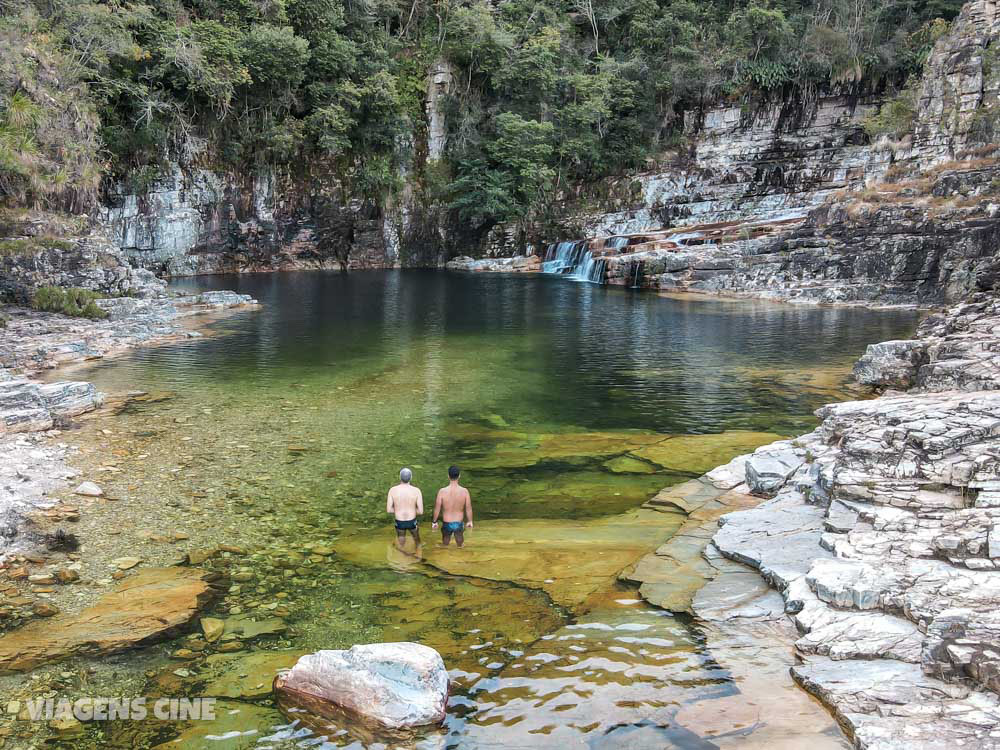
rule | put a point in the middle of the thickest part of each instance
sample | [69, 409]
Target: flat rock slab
[151, 604]
[570, 563]
[246, 676]
[672, 575]
[780, 538]
[891, 705]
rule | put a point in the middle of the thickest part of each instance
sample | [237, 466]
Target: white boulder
[397, 685]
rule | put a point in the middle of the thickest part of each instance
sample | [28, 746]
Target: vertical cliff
[797, 202]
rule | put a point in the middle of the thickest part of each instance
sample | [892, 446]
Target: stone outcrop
[794, 202]
[393, 685]
[882, 541]
[153, 604]
[91, 262]
[27, 406]
[33, 341]
[960, 91]
[517, 264]
[191, 221]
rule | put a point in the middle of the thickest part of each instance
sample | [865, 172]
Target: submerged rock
[151, 604]
[396, 685]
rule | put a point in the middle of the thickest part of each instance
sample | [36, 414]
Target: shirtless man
[453, 504]
[405, 503]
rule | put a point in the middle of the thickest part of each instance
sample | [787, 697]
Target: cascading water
[575, 260]
[636, 273]
[615, 243]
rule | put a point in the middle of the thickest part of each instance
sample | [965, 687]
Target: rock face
[91, 262]
[152, 604]
[192, 221]
[882, 541]
[396, 685]
[960, 84]
[27, 406]
[794, 202]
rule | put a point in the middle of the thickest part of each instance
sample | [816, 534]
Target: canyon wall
[192, 221]
[796, 203]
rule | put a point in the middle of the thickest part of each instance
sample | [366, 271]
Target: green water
[567, 405]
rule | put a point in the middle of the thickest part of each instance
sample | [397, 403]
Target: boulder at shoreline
[395, 685]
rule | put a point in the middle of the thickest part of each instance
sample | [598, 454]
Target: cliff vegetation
[545, 94]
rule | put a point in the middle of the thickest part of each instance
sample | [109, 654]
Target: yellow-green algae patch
[568, 561]
[701, 453]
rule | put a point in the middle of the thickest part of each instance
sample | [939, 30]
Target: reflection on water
[569, 405]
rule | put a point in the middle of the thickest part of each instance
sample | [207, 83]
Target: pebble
[89, 489]
[44, 609]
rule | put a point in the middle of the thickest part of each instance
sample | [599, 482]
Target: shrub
[895, 118]
[30, 245]
[72, 301]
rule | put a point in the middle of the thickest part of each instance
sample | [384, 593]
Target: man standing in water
[405, 503]
[454, 505]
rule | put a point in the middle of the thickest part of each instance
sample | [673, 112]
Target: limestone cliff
[795, 202]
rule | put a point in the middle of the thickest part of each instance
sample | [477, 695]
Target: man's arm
[468, 508]
[437, 510]
[388, 503]
[420, 503]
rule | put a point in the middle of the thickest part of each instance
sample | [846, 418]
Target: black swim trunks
[406, 525]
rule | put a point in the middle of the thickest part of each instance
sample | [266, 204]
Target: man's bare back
[454, 506]
[405, 502]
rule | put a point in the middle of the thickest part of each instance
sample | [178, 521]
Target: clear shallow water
[568, 405]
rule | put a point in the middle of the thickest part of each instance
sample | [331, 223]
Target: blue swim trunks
[452, 527]
[406, 525]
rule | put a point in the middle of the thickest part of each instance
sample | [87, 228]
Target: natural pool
[567, 405]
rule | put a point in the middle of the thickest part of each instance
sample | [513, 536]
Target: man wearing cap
[405, 503]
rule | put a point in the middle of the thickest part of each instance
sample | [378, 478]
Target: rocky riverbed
[33, 411]
[877, 540]
[796, 577]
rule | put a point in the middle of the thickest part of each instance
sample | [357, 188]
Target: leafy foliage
[72, 301]
[547, 93]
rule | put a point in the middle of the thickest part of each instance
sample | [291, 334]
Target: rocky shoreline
[871, 557]
[877, 540]
[33, 412]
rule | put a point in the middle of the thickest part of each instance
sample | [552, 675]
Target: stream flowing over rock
[397, 685]
[882, 539]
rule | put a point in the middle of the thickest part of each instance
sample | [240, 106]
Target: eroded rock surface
[516, 264]
[27, 406]
[34, 341]
[396, 685]
[883, 542]
[154, 603]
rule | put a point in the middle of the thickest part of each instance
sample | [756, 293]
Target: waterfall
[615, 243]
[574, 260]
[636, 273]
[562, 257]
